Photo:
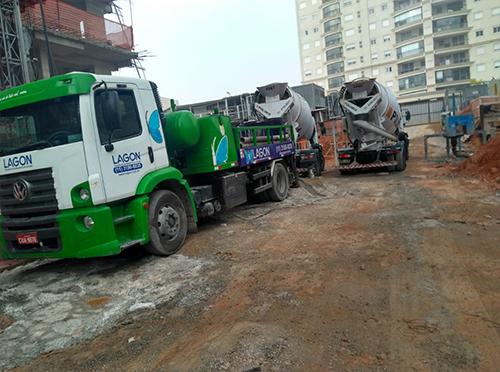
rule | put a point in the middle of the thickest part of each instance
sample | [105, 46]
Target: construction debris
[485, 163]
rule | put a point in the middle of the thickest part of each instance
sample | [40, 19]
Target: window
[387, 38]
[302, 5]
[479, 33]
[308, 73]
[351, 62]
[348, 17]
[349, 32]
[408, 17]
[335, 68]
[387, 53]
[39, 125]
[316, 30]
[318, 57]
[371, 10]
[372, 26]
[306, 46]
[374, 56]
[496, 29]
[388, 69]
[319, 71]
[331, 10]
[332, 40]
[481, 67]
[375, 72]
[358, 13]
[385, 23]
[359, 29]
[455, 74]
[127, 110]
[333, 25]
[478, 15]
[306, 32]
[495, 11]
[480, 51]
[497, 64]
[373, 41]
[389, 84]
[335, 82]
[334, 53]
[353, 76]
[347, 2]
[361, 59]
[449, 23]
[412, 82]
[317, 43]
[360, 45]
[307, 60]
[410, 49]
[383, 7]
[350, 46]
[497, 47]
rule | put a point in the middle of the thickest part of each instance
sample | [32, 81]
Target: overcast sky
[205, 48]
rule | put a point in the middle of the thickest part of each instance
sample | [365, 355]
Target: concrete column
[44, 63]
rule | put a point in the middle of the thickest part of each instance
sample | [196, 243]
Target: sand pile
[485, 163]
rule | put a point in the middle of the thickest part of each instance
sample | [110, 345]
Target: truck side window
[130, 121]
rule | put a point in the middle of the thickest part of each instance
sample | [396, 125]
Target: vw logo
[21, 190]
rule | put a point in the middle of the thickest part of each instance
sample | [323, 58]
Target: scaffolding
[13, 53]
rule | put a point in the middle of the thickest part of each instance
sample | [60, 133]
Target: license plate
[28, 238]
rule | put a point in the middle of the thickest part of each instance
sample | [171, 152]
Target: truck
[278, 103]
[374, 125]
[91, 165]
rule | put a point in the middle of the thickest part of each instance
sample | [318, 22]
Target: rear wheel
[401, 159]
[168, 223]
[280, 183]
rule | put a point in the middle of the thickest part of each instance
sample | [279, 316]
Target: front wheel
[168, 223]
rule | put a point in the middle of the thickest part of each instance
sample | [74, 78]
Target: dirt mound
[485, 163]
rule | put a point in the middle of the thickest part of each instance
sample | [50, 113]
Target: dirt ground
[380, 271]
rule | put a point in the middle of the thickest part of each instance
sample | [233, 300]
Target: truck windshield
[40, 125]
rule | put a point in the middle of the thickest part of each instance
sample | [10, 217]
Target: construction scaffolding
[13, 53]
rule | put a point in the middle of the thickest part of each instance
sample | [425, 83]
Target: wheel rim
[168, 222]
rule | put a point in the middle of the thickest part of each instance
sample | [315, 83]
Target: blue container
[459, 125]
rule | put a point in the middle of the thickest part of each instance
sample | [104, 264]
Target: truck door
[125, 151]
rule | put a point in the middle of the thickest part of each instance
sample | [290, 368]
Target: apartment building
[81, 37]
[417, 48]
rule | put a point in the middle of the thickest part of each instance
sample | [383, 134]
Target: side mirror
[111, 111]
[407, 115]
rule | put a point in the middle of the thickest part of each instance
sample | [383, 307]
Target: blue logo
[154, 125]
[127, 163]
[23, 161]
[221, 154]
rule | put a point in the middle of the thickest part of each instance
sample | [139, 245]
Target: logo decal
[21, 190]
[127, 163]
[23, 161]
[220, 155]
[154, 125]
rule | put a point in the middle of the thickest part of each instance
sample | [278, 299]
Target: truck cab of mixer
[80, 154]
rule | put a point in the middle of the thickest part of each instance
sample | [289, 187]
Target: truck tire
[401, 160]
[168, 223]
[280, 183]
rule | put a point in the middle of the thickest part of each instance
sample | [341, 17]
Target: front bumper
[107, 237]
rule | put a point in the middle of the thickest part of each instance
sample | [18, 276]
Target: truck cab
[80, 154]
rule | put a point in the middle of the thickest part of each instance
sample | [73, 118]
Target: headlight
[88, 222]
[84, 194]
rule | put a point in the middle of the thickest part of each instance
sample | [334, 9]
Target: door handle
[151, 154]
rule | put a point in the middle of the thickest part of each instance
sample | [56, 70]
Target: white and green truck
[90, 166]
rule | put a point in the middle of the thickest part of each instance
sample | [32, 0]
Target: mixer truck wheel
[168, 223]
[280, 183]
[401, 160]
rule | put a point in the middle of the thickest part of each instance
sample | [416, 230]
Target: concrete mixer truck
[374, 125]
[90, 166]
[277, 103]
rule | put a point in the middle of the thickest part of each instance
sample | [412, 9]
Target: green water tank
[181, 130]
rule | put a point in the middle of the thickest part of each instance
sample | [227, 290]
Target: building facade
[417, 48]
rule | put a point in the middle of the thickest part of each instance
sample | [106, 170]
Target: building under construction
[40, 38]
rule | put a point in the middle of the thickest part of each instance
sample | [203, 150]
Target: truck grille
[37, 212]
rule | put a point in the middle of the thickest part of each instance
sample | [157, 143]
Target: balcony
[409, 34]
[333, 25]
[452, 59]
[335, 53]
[449, 42]
[66, 20]
[336, 82]
[448, 8]
[333, 40]
[449, 24]
[453, 76]
[411, 67]
[411, 50]
[331, 11]
[335, 68]
[408, 18]
[400, 5]
[412, 82]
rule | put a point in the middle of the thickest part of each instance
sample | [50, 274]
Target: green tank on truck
[90, 166]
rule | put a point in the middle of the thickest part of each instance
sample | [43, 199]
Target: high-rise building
[417, 48]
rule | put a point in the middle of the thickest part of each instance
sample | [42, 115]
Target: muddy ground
[377, 271]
